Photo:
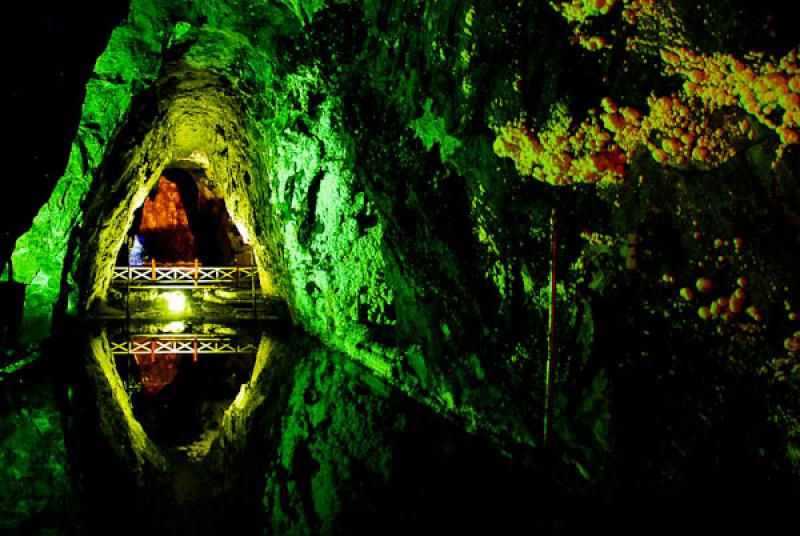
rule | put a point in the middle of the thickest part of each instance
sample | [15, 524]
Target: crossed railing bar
[189, 275]
[179, 344]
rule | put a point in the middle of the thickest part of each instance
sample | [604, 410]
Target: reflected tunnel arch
[176, 182]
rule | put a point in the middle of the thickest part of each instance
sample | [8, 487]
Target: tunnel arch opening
[191, 122]
[182, 221]
[176, 375]
[180, 398]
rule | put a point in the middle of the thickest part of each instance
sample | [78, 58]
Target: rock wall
[353, 457]
[396, 166]
[37, 492]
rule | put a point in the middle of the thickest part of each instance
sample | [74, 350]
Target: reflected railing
[183, 340]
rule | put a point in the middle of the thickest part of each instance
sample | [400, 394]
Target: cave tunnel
[179, 398]
[180, 222]
[391, 267]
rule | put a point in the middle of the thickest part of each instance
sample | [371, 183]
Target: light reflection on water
[180, 396]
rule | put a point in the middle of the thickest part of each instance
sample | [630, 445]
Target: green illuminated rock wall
[368, 227]
[352, 457]
[335, 444]
[37, 492]
[403, 162]
[129, 63]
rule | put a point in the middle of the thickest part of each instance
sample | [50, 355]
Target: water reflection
[181, 375]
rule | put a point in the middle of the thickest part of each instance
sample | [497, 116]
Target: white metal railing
[183, 275]
[179, 344]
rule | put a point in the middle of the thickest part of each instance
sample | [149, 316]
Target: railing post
[128, 299]
[551, 346]
[152, 350]
[194, 346]
[253, 286]
[196, 271]
[153, 268]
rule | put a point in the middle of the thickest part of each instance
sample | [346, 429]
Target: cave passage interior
[180, 402]
[180, 398]
[180, 222]
[392, 267]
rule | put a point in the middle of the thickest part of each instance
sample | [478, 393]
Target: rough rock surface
[397, 166]
[37, 492]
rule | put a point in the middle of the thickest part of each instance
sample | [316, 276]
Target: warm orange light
[165, 224]
[157, 371]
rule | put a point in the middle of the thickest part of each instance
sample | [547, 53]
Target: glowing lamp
[176, 301]
[175, 327]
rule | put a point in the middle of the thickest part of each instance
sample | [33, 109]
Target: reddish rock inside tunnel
[181, 400]
[182, 221]
[156, 371]
[164, 229]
